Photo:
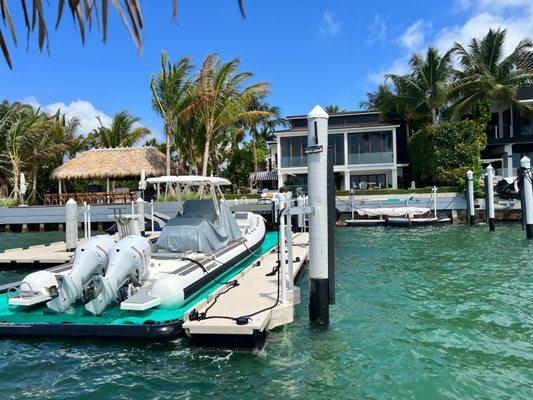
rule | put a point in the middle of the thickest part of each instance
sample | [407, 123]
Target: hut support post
[107, 185]
[59, 189]
[317, 161]
[490, 198]
[527, 205]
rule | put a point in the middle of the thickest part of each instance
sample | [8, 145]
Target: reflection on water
[422, 313]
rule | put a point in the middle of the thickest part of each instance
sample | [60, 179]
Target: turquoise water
[421, 314]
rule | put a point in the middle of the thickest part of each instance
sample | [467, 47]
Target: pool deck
[255, 292]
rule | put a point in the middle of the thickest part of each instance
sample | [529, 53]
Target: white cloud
[378, 30]
[414, 37]
[81, 109]
[514, 15]
[329, 26]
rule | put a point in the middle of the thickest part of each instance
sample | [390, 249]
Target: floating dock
[41, 256]
[256, 291]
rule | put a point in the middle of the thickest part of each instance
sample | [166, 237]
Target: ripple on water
[420, 314]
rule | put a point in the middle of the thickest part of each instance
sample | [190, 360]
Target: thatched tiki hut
[109, 164]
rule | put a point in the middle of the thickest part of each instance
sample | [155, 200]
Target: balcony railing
[371, 158]
[292, 162]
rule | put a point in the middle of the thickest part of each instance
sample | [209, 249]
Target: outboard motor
[90, 259]
[127, 269]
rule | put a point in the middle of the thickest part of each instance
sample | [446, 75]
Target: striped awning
[264, 176]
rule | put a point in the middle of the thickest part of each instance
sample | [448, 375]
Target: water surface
[421, 314]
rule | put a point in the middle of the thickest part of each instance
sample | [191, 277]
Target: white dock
[41, 256]
[255, 292]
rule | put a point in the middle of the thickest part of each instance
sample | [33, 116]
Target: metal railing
[90, 198]
[371, 158]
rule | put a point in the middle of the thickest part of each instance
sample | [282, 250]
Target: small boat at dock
[134, 288]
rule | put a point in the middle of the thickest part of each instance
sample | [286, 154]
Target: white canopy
[190, 180]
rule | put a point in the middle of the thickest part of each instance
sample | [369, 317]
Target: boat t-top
[134, 274]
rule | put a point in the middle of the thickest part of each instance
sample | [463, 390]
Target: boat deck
[255, 292]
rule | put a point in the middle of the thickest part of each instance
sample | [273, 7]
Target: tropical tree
[123, 132]
[19, 129]
[270, 121]
[427, 84]
[332, 109]
[222, 102]
[84, 13]
[171, 97]
[487, 75]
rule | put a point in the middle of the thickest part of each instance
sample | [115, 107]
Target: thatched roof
[123, 162]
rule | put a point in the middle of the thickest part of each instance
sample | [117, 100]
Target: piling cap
[525, 162]
[317, 112]
[490, 167]
[469, 174]
[71, 201]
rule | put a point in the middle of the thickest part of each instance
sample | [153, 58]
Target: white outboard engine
[90, 259]
[127, 268]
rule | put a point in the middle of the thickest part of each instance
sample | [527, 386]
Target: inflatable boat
[132, 288]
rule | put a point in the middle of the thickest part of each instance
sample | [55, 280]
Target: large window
[337, 141]
[293, 151]
[370, 148]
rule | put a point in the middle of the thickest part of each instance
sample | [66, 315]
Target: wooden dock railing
[90, 198]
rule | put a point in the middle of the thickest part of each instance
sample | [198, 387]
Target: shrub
[442, 153]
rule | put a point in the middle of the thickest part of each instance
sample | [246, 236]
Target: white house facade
[365, 151]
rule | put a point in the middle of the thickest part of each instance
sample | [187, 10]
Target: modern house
[509, 134]
[367, 152]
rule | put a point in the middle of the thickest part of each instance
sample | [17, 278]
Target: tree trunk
[167, 155]
[434, 116]
[254, 145]
[34, 186]
[407, 129]
[206, 156]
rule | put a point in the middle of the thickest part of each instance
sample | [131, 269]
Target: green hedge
[378, 192]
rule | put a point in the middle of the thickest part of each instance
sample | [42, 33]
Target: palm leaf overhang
[85, 14]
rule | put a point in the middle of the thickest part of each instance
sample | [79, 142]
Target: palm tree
[427, 84]
[270, 120]
[488, 75]
[123, 131]
[18, 129]
[333, 109]
[171, 95]
[50, 144]
[84, 14]
[221, 102]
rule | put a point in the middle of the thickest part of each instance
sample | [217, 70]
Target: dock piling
[140, 212]
[470, 197]
[527, 196]
[71, 224]
[152, 214]
[489, 197]
[317, 159]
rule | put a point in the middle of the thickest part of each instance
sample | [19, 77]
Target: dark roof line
[342, 113]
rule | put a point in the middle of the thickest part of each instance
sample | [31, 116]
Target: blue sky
[312, 51]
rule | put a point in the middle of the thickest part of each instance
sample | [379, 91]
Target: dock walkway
[255, 292]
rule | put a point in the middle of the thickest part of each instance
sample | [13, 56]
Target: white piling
[132, 207]
[434, 190]
[301, 217]
[140, 213]
[317, 161]
[152, 214]
[527, 206]
[283, 252]
[71, 224]
[89, 234]
[470, 196]
[85, 234]
[489, 200]
[288, 238]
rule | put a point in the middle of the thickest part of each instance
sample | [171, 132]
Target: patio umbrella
[23, 186]
[142, 182]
